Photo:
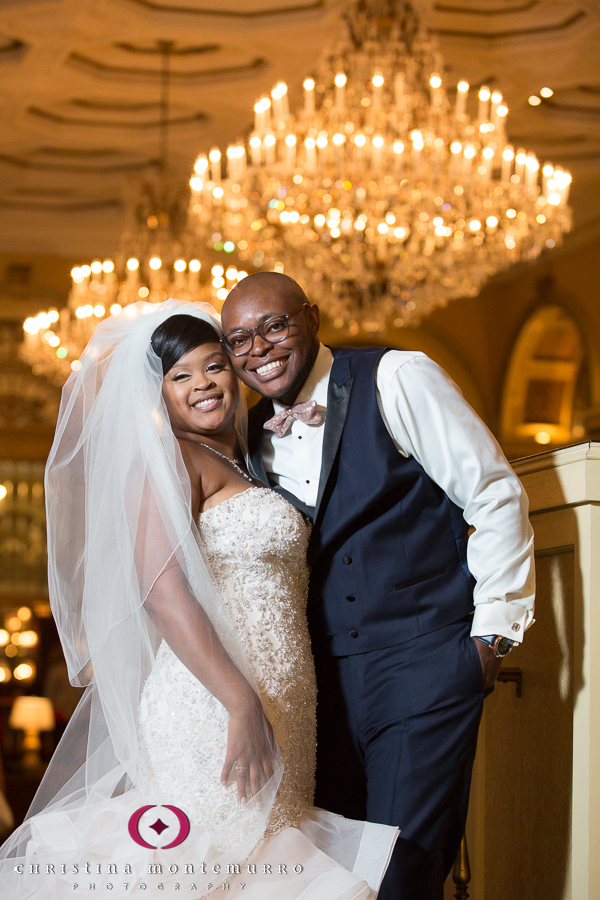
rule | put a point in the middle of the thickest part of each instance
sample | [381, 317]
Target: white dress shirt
[428, 419]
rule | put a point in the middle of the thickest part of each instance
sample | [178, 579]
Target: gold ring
[240, 768]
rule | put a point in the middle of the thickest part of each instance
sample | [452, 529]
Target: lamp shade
[32, 713]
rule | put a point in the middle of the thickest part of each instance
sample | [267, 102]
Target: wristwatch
[500, 645]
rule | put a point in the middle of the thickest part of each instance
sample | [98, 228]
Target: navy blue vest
[388, 550]
[388, 547]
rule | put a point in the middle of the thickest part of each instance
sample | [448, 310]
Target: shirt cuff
[501, 617]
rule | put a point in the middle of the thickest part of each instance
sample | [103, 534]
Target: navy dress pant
[396, 738]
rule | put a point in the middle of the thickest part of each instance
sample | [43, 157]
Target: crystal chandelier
[382, 195]
[159, 257]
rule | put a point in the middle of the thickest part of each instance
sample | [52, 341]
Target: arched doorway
[539, 397]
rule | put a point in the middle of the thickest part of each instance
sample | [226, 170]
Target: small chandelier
[159, 257]
[382, 195]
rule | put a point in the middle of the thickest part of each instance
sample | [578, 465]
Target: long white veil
[119, 518]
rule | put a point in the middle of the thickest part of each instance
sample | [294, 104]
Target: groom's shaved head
[282, 289]
[252, 301]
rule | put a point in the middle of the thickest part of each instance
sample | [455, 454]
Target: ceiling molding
[548, 140]
[158, 50]
[155, 6]
[80, 206]
[104, 70]
[513, 32]
[20, 163]
[570, 109]
[78, 152]
[575, 157]
[113, 123]
[12, 50]
[478, 11]
[113, 105]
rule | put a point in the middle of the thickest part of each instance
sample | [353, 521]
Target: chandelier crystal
[386, 194]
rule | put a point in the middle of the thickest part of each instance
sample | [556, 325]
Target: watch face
[503, 647]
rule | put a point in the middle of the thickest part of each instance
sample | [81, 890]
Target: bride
[178, 586]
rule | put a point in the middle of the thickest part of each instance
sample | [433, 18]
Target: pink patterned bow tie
[304, 412]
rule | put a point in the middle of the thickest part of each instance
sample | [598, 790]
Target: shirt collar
[316, 385]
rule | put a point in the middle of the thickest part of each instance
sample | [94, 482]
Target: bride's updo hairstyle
[178, 335]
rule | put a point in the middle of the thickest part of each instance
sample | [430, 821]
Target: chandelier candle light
[382, 195]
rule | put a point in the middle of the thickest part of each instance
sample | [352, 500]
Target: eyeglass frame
[252, 332]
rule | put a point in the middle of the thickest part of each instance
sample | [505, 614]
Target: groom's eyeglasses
[274, 330]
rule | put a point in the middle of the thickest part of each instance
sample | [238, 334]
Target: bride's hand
[251, 749]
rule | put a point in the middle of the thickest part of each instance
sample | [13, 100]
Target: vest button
[354, 634]
[329, 636]
[348, 560]
[350, 598]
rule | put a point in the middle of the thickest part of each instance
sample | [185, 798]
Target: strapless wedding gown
[256, 544]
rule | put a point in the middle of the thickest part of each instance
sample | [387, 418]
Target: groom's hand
[490, 664]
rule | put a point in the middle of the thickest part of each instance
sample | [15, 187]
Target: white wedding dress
[256, 544]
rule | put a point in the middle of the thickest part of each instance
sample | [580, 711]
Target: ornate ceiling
[79, 93]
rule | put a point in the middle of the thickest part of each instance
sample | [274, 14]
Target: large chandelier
[384, 196]
[159, 257]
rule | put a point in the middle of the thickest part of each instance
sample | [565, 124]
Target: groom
[408, 622]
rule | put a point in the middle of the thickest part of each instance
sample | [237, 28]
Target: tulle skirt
[91, 852]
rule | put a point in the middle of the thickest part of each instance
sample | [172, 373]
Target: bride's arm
[186, 628]
[180, 618]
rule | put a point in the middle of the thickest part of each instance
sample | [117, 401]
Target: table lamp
[32, 715]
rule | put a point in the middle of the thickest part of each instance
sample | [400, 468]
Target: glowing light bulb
[340, 79]
[194, 265]
[308, 84]
[534, 100]
[108, 265]
[133, 264]
[155, 263]
[462, 86]
[96, 267]
[377, 81]
[279, 91]
[546, 92]
[180, 265]
[435, 81]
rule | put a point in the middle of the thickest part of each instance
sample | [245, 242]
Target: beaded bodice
[256, 543]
